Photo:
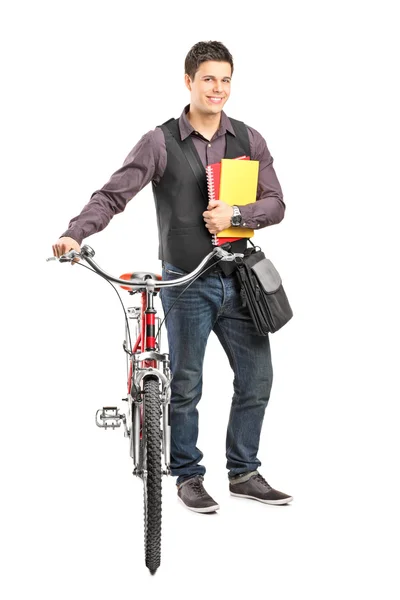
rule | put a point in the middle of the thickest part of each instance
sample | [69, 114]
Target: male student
[212, 303]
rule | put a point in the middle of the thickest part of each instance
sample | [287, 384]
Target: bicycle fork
[135, 399]
[110, 417]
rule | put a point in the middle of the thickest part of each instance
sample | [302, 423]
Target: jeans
[213, 303]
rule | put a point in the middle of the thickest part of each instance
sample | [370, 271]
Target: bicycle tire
[152, 482]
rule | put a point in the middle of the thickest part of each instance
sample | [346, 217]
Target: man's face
[211, 86]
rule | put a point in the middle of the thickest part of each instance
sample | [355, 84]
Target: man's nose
[218, 86]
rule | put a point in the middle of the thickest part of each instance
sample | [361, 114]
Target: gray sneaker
[193, 495]
[253, 485]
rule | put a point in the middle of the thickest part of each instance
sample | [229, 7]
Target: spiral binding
[210, 183]
[211, 196]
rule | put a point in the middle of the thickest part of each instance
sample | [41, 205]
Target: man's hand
[217, 216]
[64, 245]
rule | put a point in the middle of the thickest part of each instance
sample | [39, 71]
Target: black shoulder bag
[262, 292]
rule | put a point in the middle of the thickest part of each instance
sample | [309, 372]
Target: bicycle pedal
[109, 417]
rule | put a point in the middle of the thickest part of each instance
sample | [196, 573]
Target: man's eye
[224, 80]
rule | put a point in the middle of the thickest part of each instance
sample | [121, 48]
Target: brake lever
[228, 256]
[69, 256]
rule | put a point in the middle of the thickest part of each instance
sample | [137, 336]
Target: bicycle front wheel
[152, 479]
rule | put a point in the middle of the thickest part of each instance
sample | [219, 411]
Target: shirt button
[209, 145]
[244, 223]
[258, 224]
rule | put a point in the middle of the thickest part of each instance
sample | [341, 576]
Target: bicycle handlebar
[87, 254]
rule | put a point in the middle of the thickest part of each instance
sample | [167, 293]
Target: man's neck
[207, 125]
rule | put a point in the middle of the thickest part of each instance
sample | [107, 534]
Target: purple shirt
[147, 162]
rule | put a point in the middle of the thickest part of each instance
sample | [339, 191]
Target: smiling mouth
[215, 99]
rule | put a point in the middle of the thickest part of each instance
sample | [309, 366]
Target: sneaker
[193, 495]
[256, 488]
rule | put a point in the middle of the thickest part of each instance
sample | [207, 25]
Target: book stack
[234, 181]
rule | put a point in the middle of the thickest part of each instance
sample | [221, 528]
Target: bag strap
[255, 247]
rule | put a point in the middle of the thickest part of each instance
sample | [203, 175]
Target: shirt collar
[187, 129]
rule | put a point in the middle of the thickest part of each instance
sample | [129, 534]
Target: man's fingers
[212, 228]
[212, 204]
[64, 245]
[60, 249]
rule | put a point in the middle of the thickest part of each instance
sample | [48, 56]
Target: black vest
[181, 197]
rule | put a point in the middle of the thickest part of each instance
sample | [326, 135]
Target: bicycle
[147, 419]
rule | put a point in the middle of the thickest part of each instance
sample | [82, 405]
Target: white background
[82, 82]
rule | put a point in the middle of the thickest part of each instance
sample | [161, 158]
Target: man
[171, 157]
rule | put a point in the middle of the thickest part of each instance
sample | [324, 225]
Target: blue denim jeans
[213, 303]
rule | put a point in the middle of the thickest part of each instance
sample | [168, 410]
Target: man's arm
[269, 208]
[146, 162]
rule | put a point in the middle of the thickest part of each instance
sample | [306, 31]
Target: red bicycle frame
[146, 340]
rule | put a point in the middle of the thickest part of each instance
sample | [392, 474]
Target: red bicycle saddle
[138, 275]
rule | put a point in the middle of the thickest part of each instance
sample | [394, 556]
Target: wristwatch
[236, 218]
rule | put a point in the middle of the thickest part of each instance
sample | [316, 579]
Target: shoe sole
[206, 509]
[282, 501]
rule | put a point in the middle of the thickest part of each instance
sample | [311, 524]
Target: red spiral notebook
[213, 173]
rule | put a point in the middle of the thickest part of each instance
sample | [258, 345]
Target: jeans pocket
[173, 271]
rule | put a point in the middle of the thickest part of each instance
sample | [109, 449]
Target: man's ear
[188, 82]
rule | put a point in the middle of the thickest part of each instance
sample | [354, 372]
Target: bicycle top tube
[150, 284]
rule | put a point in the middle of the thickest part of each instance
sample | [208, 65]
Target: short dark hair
[204, 51]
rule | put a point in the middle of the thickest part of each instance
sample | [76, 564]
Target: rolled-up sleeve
[269, 209]
[146, 162]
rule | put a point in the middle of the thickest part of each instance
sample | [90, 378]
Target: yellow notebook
[238, 186]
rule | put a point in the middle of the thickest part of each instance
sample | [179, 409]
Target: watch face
[236, 219]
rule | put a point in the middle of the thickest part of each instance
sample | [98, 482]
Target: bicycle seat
[138, 275]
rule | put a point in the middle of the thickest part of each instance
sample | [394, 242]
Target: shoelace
[261, 480]
[197, 486]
